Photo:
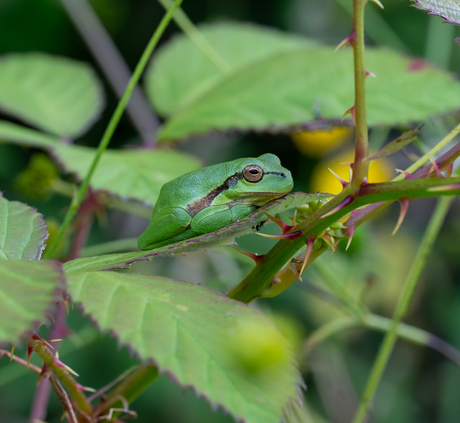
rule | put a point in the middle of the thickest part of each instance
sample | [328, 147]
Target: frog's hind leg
[213, 218]
[165, 229]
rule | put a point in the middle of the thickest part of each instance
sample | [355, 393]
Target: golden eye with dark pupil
[253, 173]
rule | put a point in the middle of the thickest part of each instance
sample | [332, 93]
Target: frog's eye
[253, 173]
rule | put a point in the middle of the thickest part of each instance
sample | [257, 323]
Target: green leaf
[448, 9]
[180, 72]
[22, 231]
[58, 95]
[311, 87]
[394, 146]
[221, 237]
[136, 174]
[223, 349]
[27, 292]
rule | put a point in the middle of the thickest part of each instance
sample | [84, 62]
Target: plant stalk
[401, 308]
[111, 127]
[360, 165]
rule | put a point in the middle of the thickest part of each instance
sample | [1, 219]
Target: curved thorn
[283, 226]
[328, 240]
[405, 202]
[346, 41]
[310, 242]
[435, 168]
[13, 347]
[85, 388]
[368, 73]
[342, 181]
[349, 231]
[59, 363]
[406, 174]
[350, 111]
[252, 256]
[42, 373]
[377, 2]
[347, 200]
[291, 235]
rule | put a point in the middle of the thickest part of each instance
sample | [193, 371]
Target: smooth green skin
[207, 199]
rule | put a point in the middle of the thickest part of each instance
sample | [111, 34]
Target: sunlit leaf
[28, 290]
[58, 95]
[22, 231]
[196, 335]
[238, 44]
[220, 237]
[306, 87]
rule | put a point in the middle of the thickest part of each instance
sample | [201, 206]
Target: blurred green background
[419, 384]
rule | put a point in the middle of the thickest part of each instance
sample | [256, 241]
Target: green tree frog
[210, 198]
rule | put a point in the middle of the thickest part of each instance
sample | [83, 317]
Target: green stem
[377, 29]
[401, 308]
[360, 165]
[83, 405]
[186, 25]
[128, 390]
[383, 324]
[426, 157]
[259, 279]
[112, 126]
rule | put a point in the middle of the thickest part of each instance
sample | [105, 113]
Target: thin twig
[64, 398]
[113, 65]
[20, 361]
[42, 393]
[111, 128]
[402, 306]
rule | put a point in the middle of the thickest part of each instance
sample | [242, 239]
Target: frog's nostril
[283, 175]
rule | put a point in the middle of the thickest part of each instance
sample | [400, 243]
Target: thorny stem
[129, 389]
[63, 375]
[111, 127]
[41, 397]
[189, 28]
[402, 306]
[259, 279]
[360, 165]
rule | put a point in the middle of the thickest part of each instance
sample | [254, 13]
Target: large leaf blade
[238, 44]
[28, 290]
[22, 231]
[448, 9]
[129, 174]
[191, 332]
[136, 174]
[307, 87]
[58, 95]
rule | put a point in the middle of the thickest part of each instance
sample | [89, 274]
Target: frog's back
[193, 186]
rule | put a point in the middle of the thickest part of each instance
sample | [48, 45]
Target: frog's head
[259, 179]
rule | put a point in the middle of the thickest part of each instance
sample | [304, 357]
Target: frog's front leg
[215, 217]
